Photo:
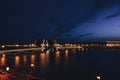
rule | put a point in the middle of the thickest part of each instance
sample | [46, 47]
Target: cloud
[116, 14]
[79, 15]
[86, 34]
[70, 24]
[78, 36]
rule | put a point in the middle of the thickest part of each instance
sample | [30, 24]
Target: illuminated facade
[113, 44]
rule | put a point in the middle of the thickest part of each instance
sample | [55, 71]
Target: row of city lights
[60, 45]
[17, 45]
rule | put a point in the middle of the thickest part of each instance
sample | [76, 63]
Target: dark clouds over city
[75, 20]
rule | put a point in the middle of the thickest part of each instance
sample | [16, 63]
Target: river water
[67, 64]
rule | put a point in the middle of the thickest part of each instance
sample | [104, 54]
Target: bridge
[19, 50]
[35, 49]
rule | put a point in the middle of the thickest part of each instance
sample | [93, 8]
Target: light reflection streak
[33, 59]
[66, 56]
[57, 56]
[25, 59]
[3, 55]
[17, 61]
[3, 60]
[47, 57]
[42, 59]
[66, 53]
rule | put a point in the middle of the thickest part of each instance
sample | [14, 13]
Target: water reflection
[3, 60]
[66, 56]
[3, 55]
[64, 63]
[17, 61]
[33, 59]
[47, 57]
[57, 57]
[66, 52]
[25, 59]
[42, 59]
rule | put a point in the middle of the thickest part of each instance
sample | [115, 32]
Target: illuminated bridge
[17, 50]
[34, 49]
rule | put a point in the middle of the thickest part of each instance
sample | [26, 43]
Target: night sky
[67, 20]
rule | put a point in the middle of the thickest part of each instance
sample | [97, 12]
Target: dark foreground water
[67, 64]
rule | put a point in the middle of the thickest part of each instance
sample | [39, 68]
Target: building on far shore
[113, 44]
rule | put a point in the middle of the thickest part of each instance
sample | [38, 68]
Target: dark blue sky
[75, 20]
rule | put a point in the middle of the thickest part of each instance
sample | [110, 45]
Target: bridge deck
[30, 49]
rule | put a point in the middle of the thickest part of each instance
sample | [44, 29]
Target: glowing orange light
[17, 45]
[3, 55]
[32, 65]
[3, 61]
[66, 51]
[24, 59]
[42, 60]
[98, 77]
[32, 58]
[47, 51]
[57, 52]
[17, 60]
[3, 46]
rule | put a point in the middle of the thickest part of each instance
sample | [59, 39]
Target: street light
[7, 68]
[3, 46]
[98, 77]
[32, 65]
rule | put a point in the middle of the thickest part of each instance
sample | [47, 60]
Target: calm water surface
[67, 64]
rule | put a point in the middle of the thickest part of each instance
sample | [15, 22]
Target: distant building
[113, 44]
[46, 43]
[40, 42]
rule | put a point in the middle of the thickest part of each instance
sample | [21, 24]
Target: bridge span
[34, 49]
[21, 50]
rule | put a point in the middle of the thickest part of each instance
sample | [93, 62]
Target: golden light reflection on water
[3, 55]
[66, 56]
[42, 58]
[57, 56]
[47, 57]
[33, 59]
[25, 59]
[66, 52]
[47, 51]
[3, 60]
[17, 61]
